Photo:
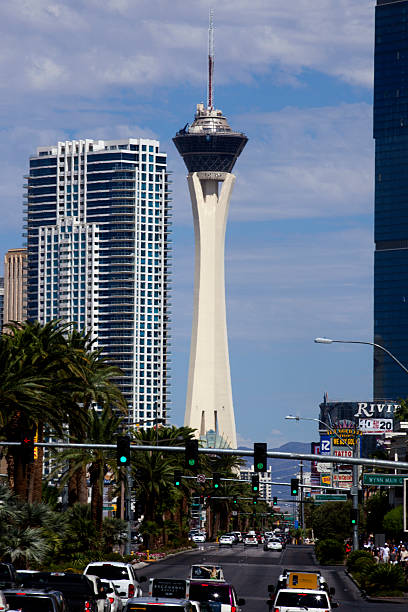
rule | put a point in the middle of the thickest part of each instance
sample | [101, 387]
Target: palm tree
[102, 429]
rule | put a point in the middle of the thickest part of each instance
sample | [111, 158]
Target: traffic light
[354, 516]
[123, 450]
[208, 500]
[255, 484]
[294, 486]
[260, 457]
[191, 454]
[177, 478]
[275, 501]
[254, 500]
[27, 448]
[216, 480]
[234, 500]
[201, 500]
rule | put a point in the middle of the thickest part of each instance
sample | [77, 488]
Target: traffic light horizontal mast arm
[234, 452]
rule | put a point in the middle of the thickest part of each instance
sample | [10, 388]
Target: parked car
[121, 574]
[35, 600]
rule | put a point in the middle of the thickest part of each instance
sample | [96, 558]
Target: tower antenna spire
[210, 101]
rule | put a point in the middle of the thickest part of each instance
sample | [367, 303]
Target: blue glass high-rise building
[391, 197]
[98, 223]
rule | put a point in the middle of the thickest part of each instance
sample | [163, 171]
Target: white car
[273, 545]
[113, 596]
[121, 574]
[102, 603]
[198, 538]
[226, 540]
[3, 603]
[290, 600]
[250, 541]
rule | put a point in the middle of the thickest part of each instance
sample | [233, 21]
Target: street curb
[396, 600]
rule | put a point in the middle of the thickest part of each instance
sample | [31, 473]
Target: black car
[77, 589]
[35, 600]
[8, 576]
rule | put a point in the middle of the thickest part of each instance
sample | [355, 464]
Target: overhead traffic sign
[325, 498]
[384, 480]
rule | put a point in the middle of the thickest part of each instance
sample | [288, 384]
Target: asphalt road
[251, 569]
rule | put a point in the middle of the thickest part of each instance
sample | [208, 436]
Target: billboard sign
[325, 445]
[325, 480]
[375, 427]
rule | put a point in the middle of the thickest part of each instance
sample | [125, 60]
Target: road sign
[325, 479]
[321, 499]
[109, 507]
[384, 480]
[201, 478]
[325, 445]
[296, 524]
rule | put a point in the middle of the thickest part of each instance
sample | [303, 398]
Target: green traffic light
[177, 483]
[260, 466]
[215, 486]
[255, 488]
[191, 462]
[123, 459]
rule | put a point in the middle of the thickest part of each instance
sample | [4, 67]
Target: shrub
[330, 552]
[385, 579]
[354, 556]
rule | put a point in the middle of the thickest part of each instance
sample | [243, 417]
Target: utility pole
[354, 490]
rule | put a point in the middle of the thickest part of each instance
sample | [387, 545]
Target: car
[8, 576]
[113, 596]
[222, 593]
[238, 535]
[250, 540]
[290, 600]
[151, 604]
[3, 603]
[234, 536]
[226, 540]
[207, 572]
[35, 600]
[103, 601]
[273, 544]
[198, 538]
[78, 590]
[121, 574]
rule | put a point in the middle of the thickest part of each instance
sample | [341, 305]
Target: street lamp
[382, 348]
[354, 489]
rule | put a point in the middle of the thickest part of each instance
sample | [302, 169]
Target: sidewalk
[397, 600]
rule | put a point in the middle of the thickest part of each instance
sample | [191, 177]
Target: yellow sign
[36, 447]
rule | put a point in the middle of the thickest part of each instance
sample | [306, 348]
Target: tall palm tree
[102, 429]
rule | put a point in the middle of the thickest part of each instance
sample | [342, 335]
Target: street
[250, 570]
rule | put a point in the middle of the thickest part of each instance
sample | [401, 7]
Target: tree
[332, 521]
[393, 522]
[376, 508]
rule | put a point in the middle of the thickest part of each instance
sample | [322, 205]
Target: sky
[296, 77]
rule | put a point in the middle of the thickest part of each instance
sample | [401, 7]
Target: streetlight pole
[382, 348]
[354, 488]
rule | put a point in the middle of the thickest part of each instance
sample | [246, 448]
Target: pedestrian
[386, 553]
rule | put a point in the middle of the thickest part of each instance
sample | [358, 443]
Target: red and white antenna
[211, 61]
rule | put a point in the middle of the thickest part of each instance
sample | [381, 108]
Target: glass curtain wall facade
[391, 197]
[98, 224]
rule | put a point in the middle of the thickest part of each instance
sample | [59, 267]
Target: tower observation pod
[210, 149]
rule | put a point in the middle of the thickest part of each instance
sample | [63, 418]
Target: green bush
[354, 556]
[385, 579]
[330, 552]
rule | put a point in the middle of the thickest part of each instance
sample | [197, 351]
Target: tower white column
[209, 395]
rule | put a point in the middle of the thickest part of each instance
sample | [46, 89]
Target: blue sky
[296, 77]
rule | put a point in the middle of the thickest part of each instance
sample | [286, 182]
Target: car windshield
[302, 600]
[109, 572]
[30, 604]
[210, 592]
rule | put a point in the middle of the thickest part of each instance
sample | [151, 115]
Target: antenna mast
[211, 61]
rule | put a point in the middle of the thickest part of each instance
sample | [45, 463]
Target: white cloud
[93, 44]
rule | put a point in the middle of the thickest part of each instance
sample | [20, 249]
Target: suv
[35, 600]
[289, 600]
[8, 576]
[121, 574]
[77, 589]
